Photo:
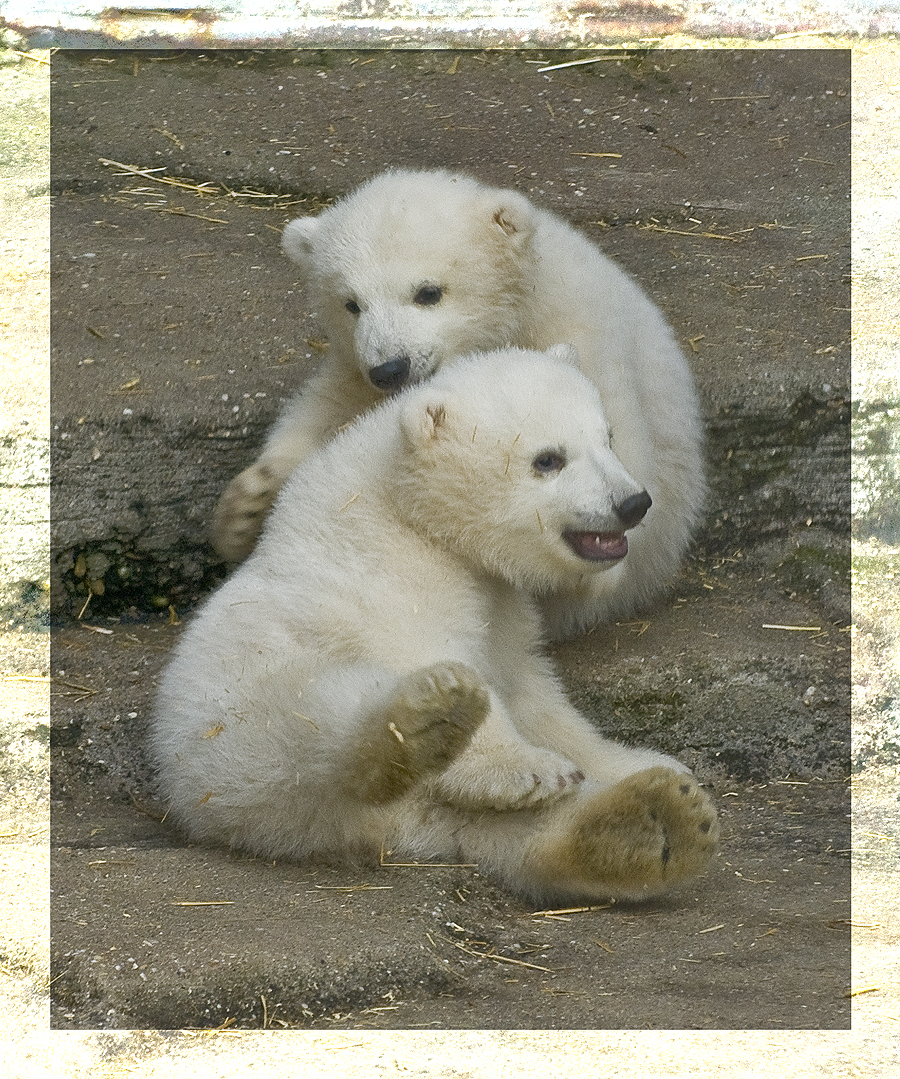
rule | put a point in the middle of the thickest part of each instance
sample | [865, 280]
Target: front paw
[553, 778]
[241, 512]
[525, 779]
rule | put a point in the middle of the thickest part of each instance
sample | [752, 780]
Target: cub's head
[415, 268]
[509, 460]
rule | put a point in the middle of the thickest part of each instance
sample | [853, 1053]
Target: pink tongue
[598, 546]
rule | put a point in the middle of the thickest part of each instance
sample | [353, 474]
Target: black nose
[390, 375]
[632, 510]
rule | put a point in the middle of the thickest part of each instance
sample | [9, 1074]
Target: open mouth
[598, 546]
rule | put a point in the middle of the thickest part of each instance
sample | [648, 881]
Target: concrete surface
[869, 1050]
[455, 23]
[24, 420]
[178, 326]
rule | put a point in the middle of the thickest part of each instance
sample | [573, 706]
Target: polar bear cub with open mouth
[416, 268]
[371, 677]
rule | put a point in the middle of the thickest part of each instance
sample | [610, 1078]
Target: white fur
[512, 275]
[372, 677]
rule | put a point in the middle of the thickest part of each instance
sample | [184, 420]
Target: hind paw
[426, 725]
[647, 833]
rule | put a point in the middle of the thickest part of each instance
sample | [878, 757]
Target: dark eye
[428, 295]
[352, 306]
[549, 461]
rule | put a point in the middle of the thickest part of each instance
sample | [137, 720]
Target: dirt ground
[472, 959]
[403, 947]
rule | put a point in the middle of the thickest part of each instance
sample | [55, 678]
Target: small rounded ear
[297, 241]
[512, 214]
[425, 420]
[564, 353]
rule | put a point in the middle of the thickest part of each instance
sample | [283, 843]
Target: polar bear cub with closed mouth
[419, 267]
[371, 677]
